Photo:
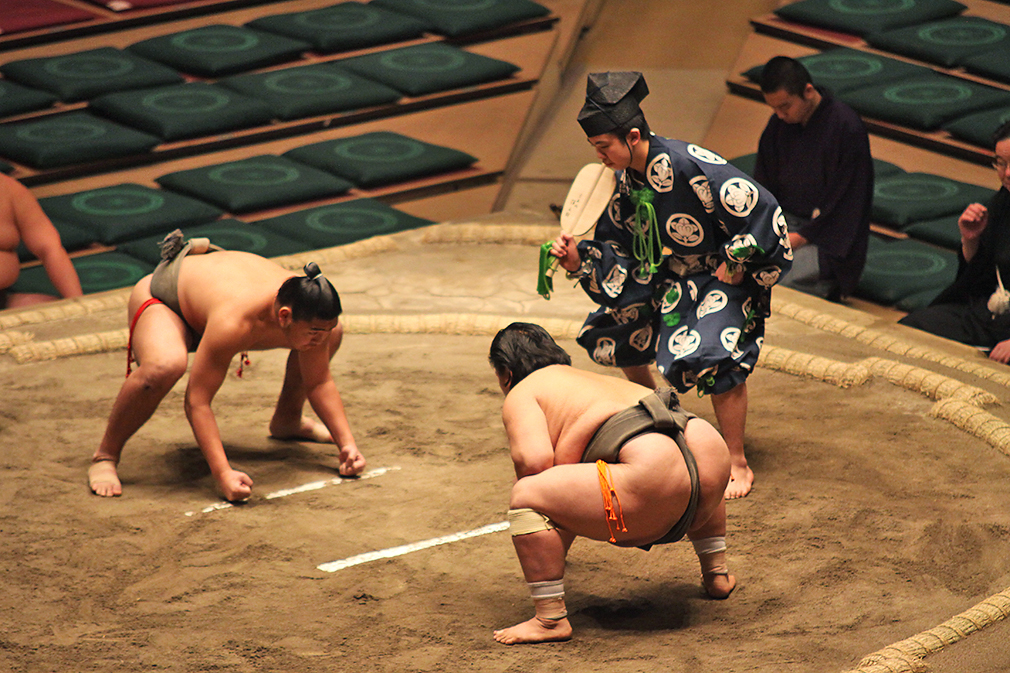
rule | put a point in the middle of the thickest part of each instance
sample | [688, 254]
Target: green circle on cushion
[259, 174]
[89, 67]
[50, 132]
[386, 150]
[350, 220]
[302, 83]
[871, 6]
[458, 5]
[341, 17]
[117, 202]
[108, 274]
[216, 41]
[915, 189]
[837, 66]
[236, 239]
[188, 102]
[932, 93]
[417, 60]
[904, 263]
[961, 35]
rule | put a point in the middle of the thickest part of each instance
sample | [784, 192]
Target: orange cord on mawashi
[609, 498]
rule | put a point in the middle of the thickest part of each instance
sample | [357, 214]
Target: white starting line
[334, 566]
[312, 486]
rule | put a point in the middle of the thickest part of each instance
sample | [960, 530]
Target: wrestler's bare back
[235, 290]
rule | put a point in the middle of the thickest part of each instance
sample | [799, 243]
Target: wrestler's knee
[525, 493]
[161, 372]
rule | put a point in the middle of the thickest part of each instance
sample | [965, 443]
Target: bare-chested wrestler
[222, 304]
[23, 220]
[603, 458]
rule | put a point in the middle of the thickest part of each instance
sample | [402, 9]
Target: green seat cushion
[255, 183]
[918, 300]
[845, 69]
[85, 74]
[344, 26]
[98, 273]
[746, 162]
[459, 17]
[427, 68]
[16, 99]
[902, 199]
[342, 223]
[307, 90]
[219, 49]
[993, 64]
[380, 158]
[884, 169]
[946, 42]
[862, 17]
[896, 269]
[978, 127]
[941, 231]
[924, 103]
[228, 233]
[128, 211]
[72, 237]
[184, 110]
[71, 138]
[6, 168]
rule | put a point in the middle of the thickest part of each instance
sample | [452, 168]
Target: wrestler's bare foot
[307, 429]
[104, 480]
[718, 585]
[535, 631]
[741, 480]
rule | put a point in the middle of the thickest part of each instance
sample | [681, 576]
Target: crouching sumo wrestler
[603, 458]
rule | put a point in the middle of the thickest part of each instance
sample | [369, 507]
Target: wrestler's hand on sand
[567, 251]
[235, 486]
[351, 461]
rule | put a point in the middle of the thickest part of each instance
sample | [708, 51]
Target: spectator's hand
[723, 274]
[1001, 352]
[973, 221]
[566, 250]
[796, 241]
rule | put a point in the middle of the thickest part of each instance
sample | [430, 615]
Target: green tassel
[645, 245]
[548, 264]
[672, 319]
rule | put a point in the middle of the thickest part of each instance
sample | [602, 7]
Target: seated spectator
[23, 220]
[814, 156]
[975, 309]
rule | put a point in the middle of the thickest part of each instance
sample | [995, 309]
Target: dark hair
[310, 297]
[784, 73]
[522, 348]
[636, 122]
[1001, 134]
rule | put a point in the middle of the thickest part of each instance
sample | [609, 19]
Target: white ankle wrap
[549, 599]
[709, 545]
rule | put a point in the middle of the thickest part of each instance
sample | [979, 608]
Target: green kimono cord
[646, 236]
[548, 264]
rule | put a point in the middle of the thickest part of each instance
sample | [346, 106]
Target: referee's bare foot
[741, 480]
[104, 480]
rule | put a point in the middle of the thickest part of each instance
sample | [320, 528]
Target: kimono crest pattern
[700, 331]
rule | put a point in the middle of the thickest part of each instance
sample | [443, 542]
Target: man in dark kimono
[814, 156]
[682, 261]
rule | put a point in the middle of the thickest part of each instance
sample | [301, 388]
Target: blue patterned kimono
[700, 331]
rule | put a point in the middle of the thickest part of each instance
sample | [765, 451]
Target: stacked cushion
[898, 270]
[863, 17]
[459, 17]
[227, 233]
[342, 223]
[947, 42]
[902, 199]
[71, 138]
[17, 99]
[97, 273]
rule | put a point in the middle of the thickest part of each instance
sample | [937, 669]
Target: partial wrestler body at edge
[229, 301]
[550, 417]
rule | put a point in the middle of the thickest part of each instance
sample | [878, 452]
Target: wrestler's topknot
[310, 297]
